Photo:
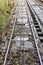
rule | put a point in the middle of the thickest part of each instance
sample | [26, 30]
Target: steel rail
[22, 42]
[39, 5]
[37, 18]
[9, 44]
[35, 37]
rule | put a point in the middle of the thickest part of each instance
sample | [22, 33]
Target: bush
[6, 8]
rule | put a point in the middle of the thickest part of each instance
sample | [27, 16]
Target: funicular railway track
[22, 48]
[39, 33]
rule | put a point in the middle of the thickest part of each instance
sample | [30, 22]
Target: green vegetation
[6, 8]
[3, 5]
[3, 14]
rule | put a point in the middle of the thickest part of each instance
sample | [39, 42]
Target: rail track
[39, 33]
[38, 13]
[39, 3]
[24, 46]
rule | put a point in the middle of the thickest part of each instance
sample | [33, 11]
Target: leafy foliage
[3, 5]
[6, 7]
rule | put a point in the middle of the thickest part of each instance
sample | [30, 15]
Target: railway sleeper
[38, 30]
[36, 26]
[40, 34]
[41, 40]
[35, 23]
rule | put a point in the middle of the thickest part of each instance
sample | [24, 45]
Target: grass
[4, 15]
